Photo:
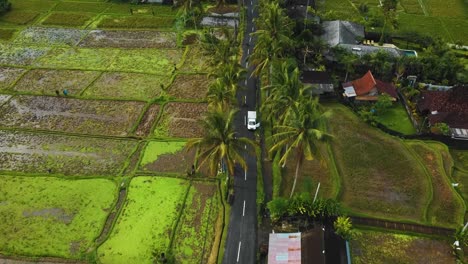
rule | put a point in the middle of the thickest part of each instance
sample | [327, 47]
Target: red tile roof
[364, 84]
[387, 88]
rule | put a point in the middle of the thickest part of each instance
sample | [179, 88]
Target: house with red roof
[447, 106]
[367, 88]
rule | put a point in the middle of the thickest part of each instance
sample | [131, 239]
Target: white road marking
[245, 120]
[251, 3]
[245, 146]
[247, 64]
[238, 251]
[245, 82]
[252, 29]
[248, 52]
[245, 175]
[243, 210]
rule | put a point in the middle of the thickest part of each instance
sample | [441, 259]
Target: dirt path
[110, 219]
[5, 260]
[429, 230]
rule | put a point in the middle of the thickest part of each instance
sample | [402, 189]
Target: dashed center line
[238, 251]
[243, 210]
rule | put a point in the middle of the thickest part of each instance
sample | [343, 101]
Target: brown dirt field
[8, 76]
[179, 162]
[129, 39]
[224, 9]
[190, 86]
[182, 120]
[71, 115]
[146, 123]
[47, 81]
[195, 61]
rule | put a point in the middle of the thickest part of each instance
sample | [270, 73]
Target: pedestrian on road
[65, 92]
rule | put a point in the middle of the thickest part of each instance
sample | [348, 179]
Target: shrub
[384, 102]
[441, 128]
[5, 6]
[343, 227]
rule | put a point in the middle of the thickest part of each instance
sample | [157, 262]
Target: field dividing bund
[446, 208]
[154, 214]
[379, 176]
[26, 152]
[52, 217]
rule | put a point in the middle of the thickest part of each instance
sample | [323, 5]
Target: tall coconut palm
[220, 147]
[300, 135]
[220, 95]
[284, 91]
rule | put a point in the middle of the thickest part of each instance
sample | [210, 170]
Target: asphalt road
[242, 232]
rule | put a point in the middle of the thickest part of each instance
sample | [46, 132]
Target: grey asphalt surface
[242, 232]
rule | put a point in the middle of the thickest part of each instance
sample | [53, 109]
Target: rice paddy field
[96, 106]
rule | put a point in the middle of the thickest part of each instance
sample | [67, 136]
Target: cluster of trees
[438, 64]
[220, 149]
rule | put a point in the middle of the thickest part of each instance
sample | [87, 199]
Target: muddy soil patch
[15, 55]
[181, 120]
[8, 76]
[71, 115]
[146, 123]
[120, 85]
[50, 36]
[129, 39]
[178, 162]
[190, 86]
[49, 81]
[68, 155]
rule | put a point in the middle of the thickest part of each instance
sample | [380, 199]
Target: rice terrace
[212, 131]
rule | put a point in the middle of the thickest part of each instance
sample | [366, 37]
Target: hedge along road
[242, 232]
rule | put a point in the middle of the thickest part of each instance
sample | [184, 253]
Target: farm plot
[156, 61]
[77, 58]
[147, 222]
[49, 81]
[162, 156]
[446, 208]
[8, 76]
[181, 120]
[15, 55]
[50, 36]
[147, 121]
[135, 22]
[121, 85]
[379, 248]
[312, 172]
[190, 86]
[159, 10]
[80, 7]
[379, 175]
[71, 115]
[195, 61]
[460, 158]
[196, 232]
[32, 207]
[129, 39]
[68, 155]
[67, 19]
[18, 17]
[36, 5]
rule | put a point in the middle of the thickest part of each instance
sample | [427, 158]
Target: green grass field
[378, 247]
[147, 222]
[446, 209]
[379, 177]
[397, 119]
[49, 216]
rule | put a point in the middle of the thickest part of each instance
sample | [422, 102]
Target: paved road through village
[242, 232]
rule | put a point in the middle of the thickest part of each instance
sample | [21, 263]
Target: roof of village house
[342, 32]
[450, 107]
[316, 77]
[366, 83]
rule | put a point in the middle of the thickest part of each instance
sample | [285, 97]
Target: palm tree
[301, 134]
[220, 148]
[284, 92]
[219, 95]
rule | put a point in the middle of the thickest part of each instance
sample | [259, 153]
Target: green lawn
[379, 176]
[46, 216]
[377, 247]
[147, 221]
[397, 120]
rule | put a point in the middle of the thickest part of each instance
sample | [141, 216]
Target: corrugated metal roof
[284, 248]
